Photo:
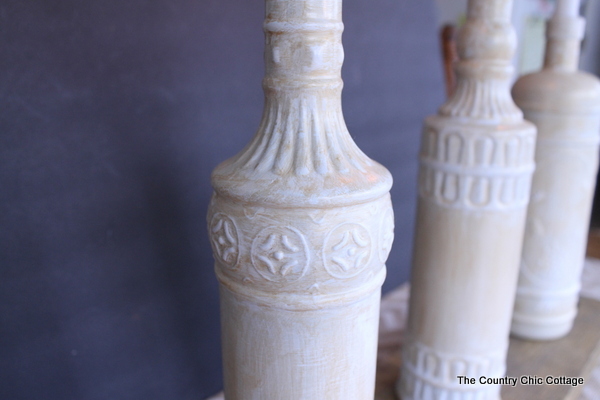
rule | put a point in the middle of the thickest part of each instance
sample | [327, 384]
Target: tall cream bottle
[476, 163]
[301, 225]
[564, 103]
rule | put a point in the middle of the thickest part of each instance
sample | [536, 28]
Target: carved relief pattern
[347, 250]
[476, 164]
[306, 253]
[386, 233]
[225, 239]
[482, 99]
[309, 54]
[476, 171]
[290, 143]
[307, 176]
[280, 254]
[303, 146]
[433, 375]
[302, 131]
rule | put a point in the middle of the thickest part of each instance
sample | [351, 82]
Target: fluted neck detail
[298, 138]
[486, 44]
[302, 147]
[302, 131]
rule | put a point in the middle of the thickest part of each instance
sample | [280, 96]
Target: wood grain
[575, 355]
[593, 246]
[571, 356]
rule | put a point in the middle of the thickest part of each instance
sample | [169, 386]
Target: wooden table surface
[574, 356]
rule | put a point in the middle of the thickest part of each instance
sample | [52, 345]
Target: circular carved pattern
[386, 232]
[280, 254]
[225, 239]
[347, 250]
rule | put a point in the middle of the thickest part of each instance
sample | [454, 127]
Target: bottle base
[540, 328]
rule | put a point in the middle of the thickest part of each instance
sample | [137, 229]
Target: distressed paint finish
[565, 105]
[301, 225]
[476, 163]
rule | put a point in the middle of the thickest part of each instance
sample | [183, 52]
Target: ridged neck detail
[486, 45]
[302, 145]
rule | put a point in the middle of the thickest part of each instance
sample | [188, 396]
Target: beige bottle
[564, 103]
[476, 164]
[301, 225]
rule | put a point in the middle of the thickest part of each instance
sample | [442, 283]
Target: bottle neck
[491, 10]
[303, 46]
[302, 131]
[302, 154]
[486, 44]
[563, 42]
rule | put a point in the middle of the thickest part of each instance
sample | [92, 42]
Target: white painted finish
[565, 105]
[301, 224]
[567, 8]
[394, 307]
[475, 176]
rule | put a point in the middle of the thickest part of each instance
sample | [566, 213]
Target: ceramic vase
[301, 225]
[476, 163]
[564, 103]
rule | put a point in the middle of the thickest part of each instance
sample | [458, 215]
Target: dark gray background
[112, 115]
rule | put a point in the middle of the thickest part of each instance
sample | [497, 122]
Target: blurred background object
[529, 18]
[449, 56]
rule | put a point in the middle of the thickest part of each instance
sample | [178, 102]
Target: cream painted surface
[476, 164]
[565, 105]
[300, 355]
[301, 225]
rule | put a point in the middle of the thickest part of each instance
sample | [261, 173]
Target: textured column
[476, 163]
[565, 105]
[301, 225]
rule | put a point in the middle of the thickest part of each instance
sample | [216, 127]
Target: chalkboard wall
[112, 115]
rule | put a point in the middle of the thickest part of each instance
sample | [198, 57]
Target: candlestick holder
[564, 103]
[301, 225]
[476, 163]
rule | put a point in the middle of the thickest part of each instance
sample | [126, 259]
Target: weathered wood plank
[573, 356]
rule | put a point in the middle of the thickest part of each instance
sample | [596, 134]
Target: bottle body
[301, 224]
[564, 103]
[476, 162]
[473, 192]
[300, 293]
[561, 200]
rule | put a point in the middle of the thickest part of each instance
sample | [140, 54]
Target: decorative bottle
[564, 103]
[301, 225]
[476, 163]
